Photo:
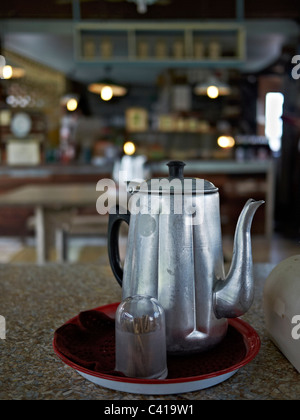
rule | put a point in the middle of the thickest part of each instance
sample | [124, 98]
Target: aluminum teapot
[174, 253]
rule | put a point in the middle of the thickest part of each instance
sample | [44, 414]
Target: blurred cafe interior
[92, 87]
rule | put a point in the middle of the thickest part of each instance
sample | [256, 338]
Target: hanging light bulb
[213, 88]
[129, 148]
[107, 88]
[106, 93]
[212, 92]
[72, 104]
[7, 72]
[226, 142]
[70, 101]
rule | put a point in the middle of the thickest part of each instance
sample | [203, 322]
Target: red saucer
[186, 373]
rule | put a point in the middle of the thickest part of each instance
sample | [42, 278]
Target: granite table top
[36, 300]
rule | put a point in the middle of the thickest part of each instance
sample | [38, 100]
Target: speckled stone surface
[36, 300]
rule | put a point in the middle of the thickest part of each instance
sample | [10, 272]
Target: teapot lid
[180, 186]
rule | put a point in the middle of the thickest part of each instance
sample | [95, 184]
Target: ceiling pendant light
[70, 101]
[72, 104]
[107, 89]
[213, 88]
[10, 72]
[7, 72]
[212, 91]
[106, 93]
[129, 148]
[226, 142]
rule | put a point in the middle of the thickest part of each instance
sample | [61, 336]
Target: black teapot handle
[115, 220]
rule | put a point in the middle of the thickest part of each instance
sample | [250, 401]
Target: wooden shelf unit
[125, 37]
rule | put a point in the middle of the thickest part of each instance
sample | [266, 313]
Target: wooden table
[54, 206]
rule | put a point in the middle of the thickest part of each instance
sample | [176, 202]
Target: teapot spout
[234, 295]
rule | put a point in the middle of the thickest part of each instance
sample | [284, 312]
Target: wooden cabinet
[203, 44]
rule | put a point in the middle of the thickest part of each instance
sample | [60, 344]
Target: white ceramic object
[282, 308]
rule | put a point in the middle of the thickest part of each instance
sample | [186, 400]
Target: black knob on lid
[176, 168]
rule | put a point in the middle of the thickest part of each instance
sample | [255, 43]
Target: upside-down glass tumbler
[141, 338]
